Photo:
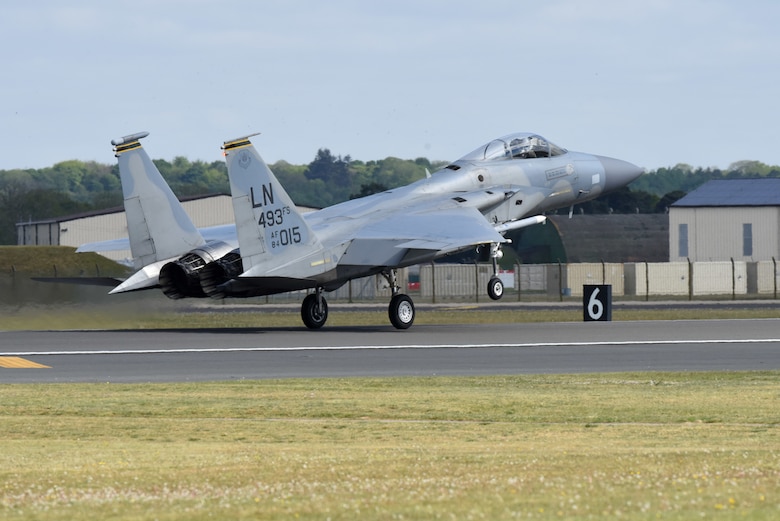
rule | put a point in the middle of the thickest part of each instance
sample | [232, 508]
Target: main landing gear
[401, 309]
[314, 310]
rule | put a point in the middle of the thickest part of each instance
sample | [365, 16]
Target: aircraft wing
[415, 237]
[443, 230]
[423, 231]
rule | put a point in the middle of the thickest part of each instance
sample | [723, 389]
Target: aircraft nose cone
[618, 173]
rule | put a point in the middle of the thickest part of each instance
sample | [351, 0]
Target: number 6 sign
[597, 302]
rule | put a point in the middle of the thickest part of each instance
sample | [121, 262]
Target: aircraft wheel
[401, 311]
[313, 316]
[495, 288]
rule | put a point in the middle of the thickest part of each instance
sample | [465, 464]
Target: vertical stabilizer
[157, 225]
[271, 231]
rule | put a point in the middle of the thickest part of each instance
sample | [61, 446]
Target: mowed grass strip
[128, 317]
[634, 446]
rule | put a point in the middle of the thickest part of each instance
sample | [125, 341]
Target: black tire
[495, 288]
[312, 317]
[401, 311]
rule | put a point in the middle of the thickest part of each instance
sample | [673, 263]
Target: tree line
[72, 187]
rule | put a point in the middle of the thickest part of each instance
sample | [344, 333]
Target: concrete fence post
[476, 281]
[690, 279]
[433, 282]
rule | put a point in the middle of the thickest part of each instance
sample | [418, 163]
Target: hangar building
[722, 220]
[102, 225]
[594, 238]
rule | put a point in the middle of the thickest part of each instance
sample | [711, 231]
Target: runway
[424, 350]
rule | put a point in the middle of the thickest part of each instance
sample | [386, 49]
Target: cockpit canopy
[515, 146]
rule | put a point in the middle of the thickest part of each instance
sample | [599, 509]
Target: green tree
[750, 168]
[12, 194]
[369, 189]
[393, 172]
[20, 204]
[330, 169]
[667, 200]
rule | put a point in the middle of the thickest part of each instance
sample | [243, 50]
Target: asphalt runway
[424, 350]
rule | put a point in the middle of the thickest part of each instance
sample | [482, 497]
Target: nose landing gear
[495, 289]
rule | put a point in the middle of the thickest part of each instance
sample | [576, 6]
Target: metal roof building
[105, 225]
[722, 220]
[102, 225]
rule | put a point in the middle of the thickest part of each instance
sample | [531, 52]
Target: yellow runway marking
[14, 362]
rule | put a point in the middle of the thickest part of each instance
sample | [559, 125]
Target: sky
[653, 82]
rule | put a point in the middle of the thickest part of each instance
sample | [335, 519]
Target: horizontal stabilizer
[145, 278]
[110, 282]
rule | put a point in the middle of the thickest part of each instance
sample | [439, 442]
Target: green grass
[629, 446]
[131, 316]
[633, 446]
[52, 261]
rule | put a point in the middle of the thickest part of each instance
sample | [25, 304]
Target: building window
[682, 245]
[747, 240]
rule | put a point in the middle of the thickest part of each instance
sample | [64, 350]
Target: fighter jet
[473, 202]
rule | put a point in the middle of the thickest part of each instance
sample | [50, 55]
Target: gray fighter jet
[503, 185]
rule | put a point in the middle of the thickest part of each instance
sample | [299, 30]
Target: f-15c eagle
[503, 185]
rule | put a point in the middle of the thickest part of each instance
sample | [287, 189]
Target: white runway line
[391, 346]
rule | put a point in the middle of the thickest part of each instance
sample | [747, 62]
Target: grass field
[672, 446]
[627, 446]
[147, 317]
[52, 261]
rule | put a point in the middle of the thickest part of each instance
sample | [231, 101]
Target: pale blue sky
[654, 82]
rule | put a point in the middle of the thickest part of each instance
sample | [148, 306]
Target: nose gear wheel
[495, 288]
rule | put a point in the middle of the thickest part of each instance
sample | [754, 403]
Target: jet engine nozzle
[181, 278]
[220, 271]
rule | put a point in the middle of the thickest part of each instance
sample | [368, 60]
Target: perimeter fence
[642, 281]
[549, 281]
[468, 282]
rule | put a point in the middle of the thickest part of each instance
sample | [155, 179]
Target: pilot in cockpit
[529, 147]
[522, 148]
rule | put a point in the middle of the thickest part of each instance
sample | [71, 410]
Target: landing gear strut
[495, 289]
[401, 309]
[314, 310]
